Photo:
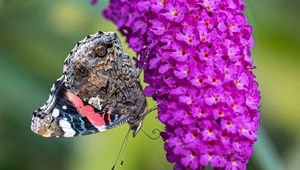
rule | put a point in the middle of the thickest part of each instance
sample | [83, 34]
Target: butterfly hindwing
[66, 114]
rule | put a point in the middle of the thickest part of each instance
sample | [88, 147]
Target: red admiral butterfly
[99, 90]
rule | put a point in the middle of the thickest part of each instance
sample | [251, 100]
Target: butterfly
[99, 90]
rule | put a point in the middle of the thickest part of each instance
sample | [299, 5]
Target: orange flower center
[206, 54]
[202, 112]
[182, 52]
[175, 13]
[186, 71]
[207, 23]
[193, 155]
[163, 3]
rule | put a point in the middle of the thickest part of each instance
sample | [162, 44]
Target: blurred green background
[37, 35]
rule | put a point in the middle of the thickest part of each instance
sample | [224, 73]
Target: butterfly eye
[82, 71]
[101, 51]
[92, 54]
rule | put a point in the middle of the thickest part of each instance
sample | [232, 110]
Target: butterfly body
[99, 90]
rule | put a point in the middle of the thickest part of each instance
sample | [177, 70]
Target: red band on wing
[86, 110]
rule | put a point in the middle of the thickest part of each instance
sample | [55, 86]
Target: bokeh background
[37, 35]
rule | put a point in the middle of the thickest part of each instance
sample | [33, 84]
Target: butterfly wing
[65, 114]
[99, 90]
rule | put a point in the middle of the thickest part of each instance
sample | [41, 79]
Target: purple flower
[200, 71]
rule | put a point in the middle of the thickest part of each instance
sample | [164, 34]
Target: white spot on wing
[66, 126]
[55, 113]
[64, 107]
[101, 128]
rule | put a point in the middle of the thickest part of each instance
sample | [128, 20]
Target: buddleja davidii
[199, 64]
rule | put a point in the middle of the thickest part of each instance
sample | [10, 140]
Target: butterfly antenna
[155, 107]
[124, 149]
[124, 142]
[152, 109]
[153, 132]
[143, 66]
